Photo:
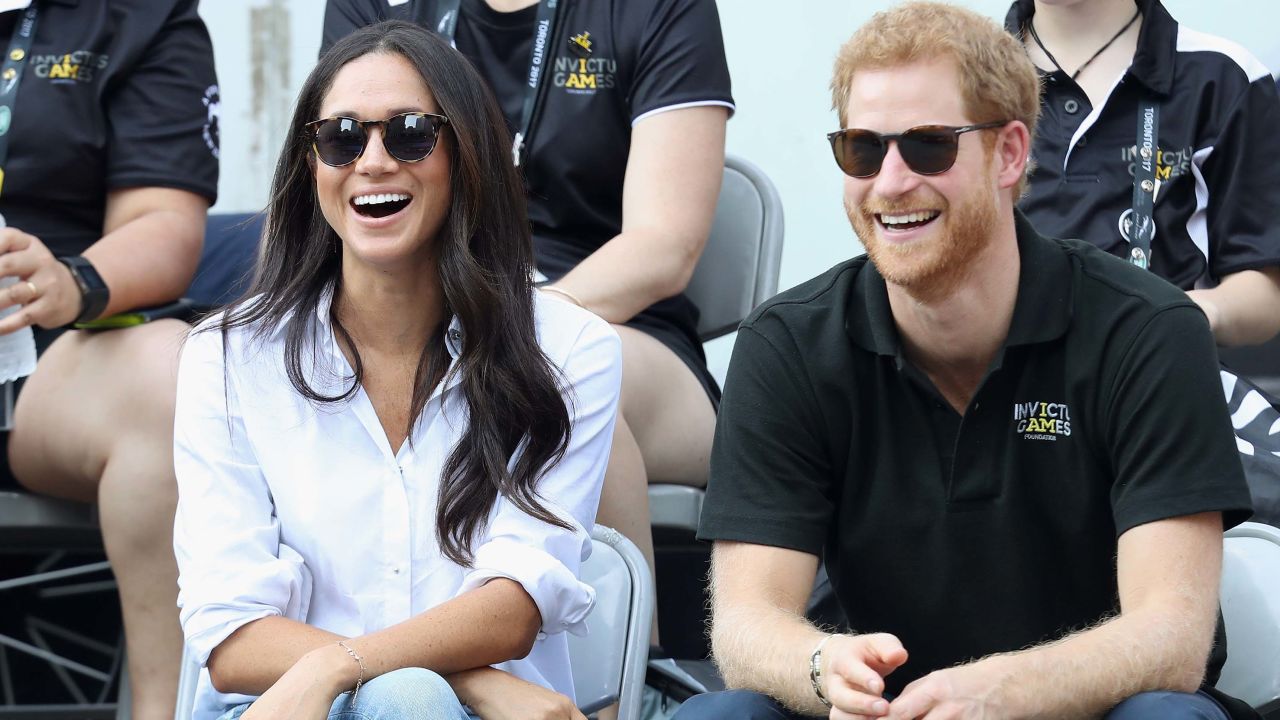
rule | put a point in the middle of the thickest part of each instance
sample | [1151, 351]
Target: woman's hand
[497, 695]
[45, 289]
[308, 689]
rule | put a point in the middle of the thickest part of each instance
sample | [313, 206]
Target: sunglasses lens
[411, 137]
[929, 151]
[339, 141]
[859, 153]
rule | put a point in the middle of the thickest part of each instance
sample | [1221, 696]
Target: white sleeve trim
[1193, 41]
[680, 106]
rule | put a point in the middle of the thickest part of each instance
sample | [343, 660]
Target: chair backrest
[609, 663]
[739, 266]
[231, 243]
[1251, 610]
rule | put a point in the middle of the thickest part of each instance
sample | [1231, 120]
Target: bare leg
[95, 422]
[666, 410]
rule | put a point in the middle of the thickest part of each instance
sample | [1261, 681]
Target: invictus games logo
[79, 66]
[1042, 420]
[213, 110]
[584, 76]
[581, 73]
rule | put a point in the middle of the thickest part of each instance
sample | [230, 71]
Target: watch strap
[94, 294]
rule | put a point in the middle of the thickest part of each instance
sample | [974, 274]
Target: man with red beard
[1011, 452]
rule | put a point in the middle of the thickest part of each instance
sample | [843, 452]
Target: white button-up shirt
[294, 508]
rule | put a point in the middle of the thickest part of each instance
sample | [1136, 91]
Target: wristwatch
[93, 291]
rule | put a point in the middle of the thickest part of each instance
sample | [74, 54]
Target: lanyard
[544, 36]
[15, 61]
[1142, 225]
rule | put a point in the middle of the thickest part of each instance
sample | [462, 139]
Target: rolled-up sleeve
[543, 558]
[232, 566]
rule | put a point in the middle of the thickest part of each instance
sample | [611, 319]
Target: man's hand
[45, 289]
[854, 673]
[965, 692]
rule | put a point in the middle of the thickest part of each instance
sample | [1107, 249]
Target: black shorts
[672, 322]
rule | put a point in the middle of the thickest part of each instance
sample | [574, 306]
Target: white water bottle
[17, 357]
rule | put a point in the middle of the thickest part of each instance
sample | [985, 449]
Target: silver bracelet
[355, 694]
[815, 670]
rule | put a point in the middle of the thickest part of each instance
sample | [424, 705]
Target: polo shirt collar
[1041, 313]
[1157, 41]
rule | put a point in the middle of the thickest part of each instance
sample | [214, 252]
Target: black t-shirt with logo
[612, 62]
[992, 531]
[1217, 163]
[114, 95]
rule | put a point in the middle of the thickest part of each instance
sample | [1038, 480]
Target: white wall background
[780, 54]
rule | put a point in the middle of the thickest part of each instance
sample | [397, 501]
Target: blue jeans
[747, 705]
[406, 694]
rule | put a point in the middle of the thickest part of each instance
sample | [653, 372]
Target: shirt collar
[1041, 312]
[1153, 63]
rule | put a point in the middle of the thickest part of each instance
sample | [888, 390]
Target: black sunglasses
[407, 137]
[927, 149]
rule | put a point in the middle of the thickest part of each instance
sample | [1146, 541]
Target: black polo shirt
[1217, 164]
[995, 530]
[114, 95]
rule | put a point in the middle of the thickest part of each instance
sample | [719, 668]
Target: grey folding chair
[608, 664]
[1251, 609]
[738, 271]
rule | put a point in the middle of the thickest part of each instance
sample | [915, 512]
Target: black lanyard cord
[1142, 226]
[1031, 26]
[15, 61]
[543, 37]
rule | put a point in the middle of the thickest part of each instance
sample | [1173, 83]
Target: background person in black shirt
[1218, 153]
[112, 159]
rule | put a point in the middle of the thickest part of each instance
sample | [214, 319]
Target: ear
[1012, 152]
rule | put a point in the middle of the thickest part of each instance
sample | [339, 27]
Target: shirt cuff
[282, 587]
[563, 601]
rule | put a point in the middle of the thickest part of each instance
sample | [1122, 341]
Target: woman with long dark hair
[390, 453]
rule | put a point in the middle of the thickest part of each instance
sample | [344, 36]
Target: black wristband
[94, 294]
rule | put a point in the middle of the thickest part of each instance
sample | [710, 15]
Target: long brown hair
[514, 402]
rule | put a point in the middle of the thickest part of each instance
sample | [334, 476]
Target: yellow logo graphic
[582, 41]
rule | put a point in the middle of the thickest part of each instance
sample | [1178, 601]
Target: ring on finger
[35, 292]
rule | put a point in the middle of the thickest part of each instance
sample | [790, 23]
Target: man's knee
[1167, 705]
[731, 705]
[404, 693]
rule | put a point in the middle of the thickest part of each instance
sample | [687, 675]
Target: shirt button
[1071, 107]
[395, 571]
[1083, 141]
